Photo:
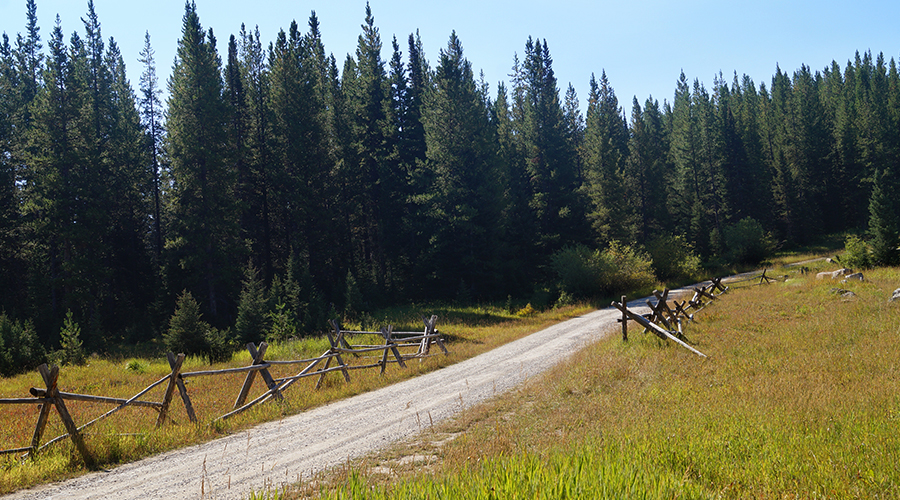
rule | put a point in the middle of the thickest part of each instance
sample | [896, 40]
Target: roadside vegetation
[798, 399]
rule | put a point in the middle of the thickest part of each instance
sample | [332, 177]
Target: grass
[799, 398]
[131, 434]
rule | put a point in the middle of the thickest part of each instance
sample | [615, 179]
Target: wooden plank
[40, 393]
[662, 303]
[657, 329]
[340, 336]
[50, 376]
[256, 357]
[42, 418]
[335, 342]
[25, 401]
[170, 390]
[223, 371]
[323, 371]
[431, 329]
[384, 357]
[182, 390]
[702, 292]
[15, 450]
[386, 333]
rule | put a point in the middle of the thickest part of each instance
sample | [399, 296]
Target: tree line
[274, 187]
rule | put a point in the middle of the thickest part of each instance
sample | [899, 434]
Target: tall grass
[131, 433]
[799, 398]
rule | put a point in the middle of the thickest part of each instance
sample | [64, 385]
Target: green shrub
[71, 352]
[281, 324]
[673, 258]
[136, 366]
[857, 253]
[747, 242]
[253, 309]
[20, 350]
[220, 344]
[187, 330]
[583, 272]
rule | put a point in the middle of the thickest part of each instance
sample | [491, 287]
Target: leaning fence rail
[665, 321]
[51, 397]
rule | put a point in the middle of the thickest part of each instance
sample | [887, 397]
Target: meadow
[132, 434]
[799, 398]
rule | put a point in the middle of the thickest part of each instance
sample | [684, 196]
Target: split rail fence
[395, 349]
[665, 321]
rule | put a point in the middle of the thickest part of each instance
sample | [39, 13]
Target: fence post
[42, 418]
[170, 389]
[182, 390]
[51, 376]
[256, 358]
[624, 321]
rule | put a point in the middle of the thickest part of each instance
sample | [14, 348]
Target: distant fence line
[51, 397]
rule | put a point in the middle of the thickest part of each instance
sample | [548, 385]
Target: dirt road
[296, 447]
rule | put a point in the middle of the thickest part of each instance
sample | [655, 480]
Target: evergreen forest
[277, 186]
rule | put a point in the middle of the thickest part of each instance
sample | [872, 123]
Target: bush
[219, 344]
[281, 325]
[583, 272]
[72, 352]
[857, 253]
[19, 347]
[253, 309]
[187, 331]
[673, 258]
[747, 242]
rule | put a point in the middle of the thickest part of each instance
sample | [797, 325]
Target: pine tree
[203, 236]
[54, 197]
[646, 174]
[462, 202]
[605, 154]
[152, 119]
[30, 63]
[549, 157]
[884, 216]
[254, 188]
[11, 266]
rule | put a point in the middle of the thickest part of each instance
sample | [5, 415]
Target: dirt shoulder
[297, 447]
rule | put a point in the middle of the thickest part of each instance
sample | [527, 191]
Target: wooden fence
[666, 322]
[395, 349]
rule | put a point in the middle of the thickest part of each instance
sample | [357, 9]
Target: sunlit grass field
[132, 434]
[799, 398]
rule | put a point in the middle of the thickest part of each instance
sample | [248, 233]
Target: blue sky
[643, 45]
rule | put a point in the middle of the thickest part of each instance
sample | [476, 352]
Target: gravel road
[296, 447]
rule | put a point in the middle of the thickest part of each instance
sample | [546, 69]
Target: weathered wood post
[170, 388]
[390, 344]
[257, 358]
[624, 321]
[182, 390]
[51, 376]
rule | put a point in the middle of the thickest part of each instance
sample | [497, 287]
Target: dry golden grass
[131, 433]
[799, 398]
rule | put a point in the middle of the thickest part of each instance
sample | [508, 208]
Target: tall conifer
[203, 237]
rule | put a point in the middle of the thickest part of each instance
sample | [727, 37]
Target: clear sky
[643, 45]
